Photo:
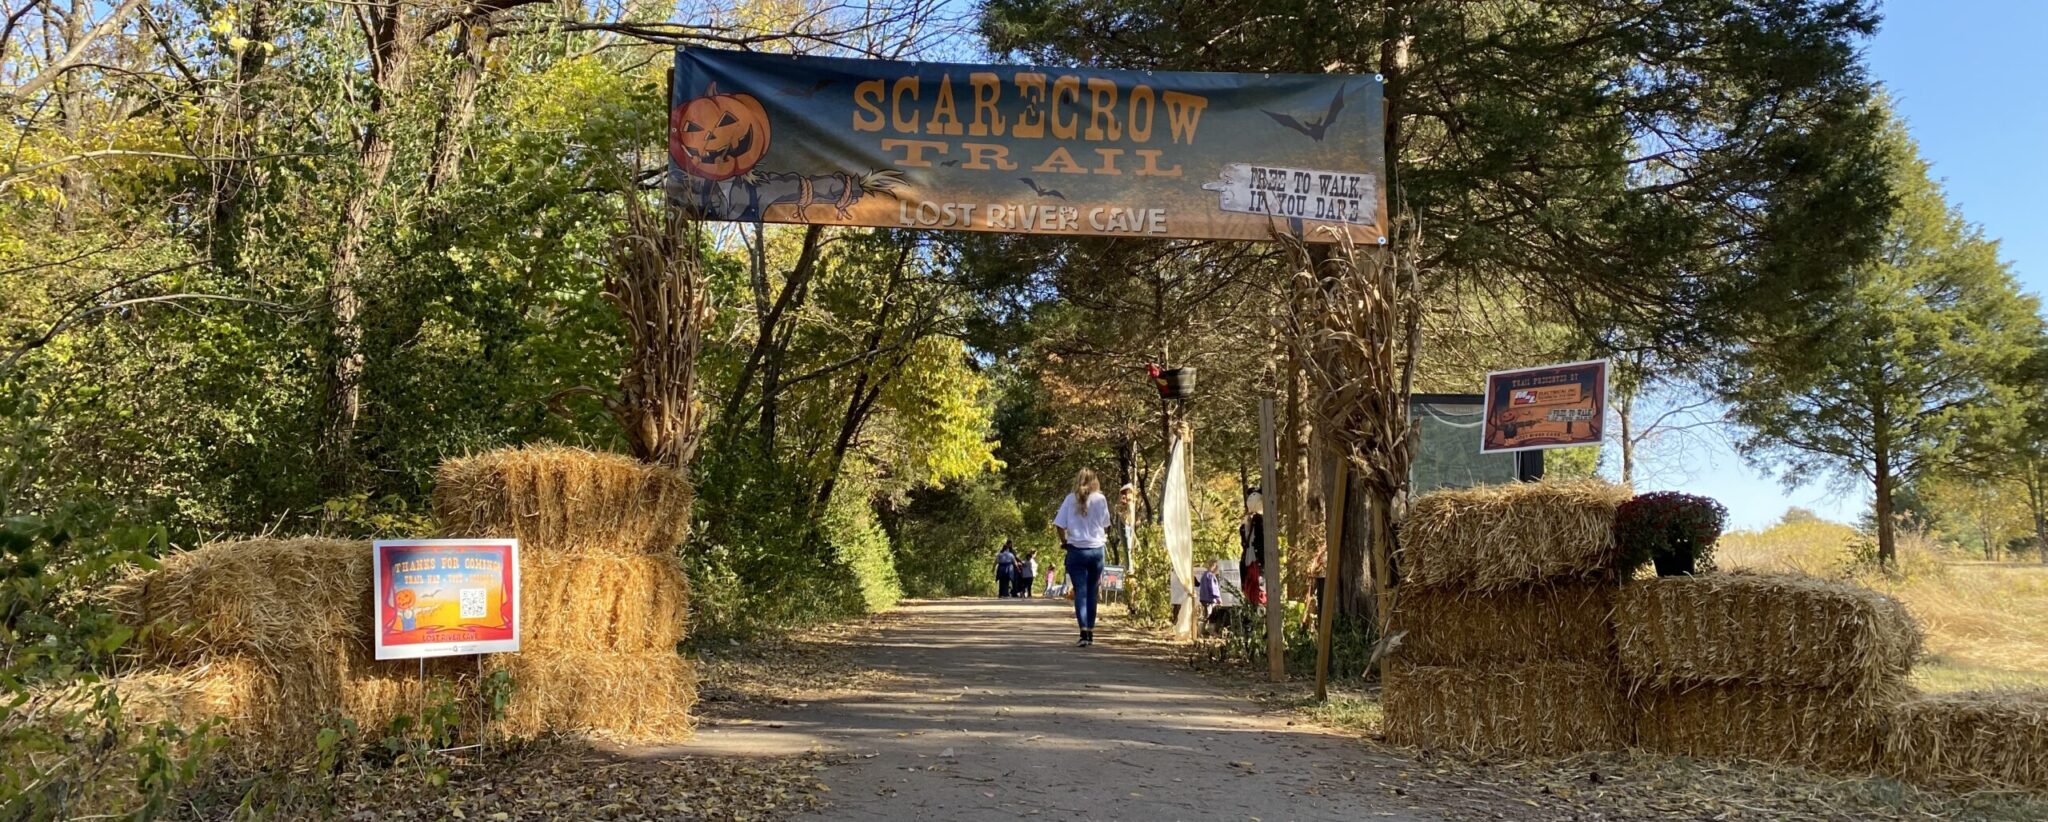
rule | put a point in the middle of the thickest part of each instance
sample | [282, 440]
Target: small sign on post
[1556, 406]
[445, 597]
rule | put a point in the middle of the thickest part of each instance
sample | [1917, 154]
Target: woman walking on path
[1083, 523]
[1006, 570]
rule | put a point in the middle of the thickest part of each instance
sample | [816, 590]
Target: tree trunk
[390, 69]
[230, 176]
[470, 43]
[1624, 411]
[1887, 545]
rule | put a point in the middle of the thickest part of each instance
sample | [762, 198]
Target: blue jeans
[1084, 572]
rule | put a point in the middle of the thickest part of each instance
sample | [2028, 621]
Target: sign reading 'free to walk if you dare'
[1025, 149]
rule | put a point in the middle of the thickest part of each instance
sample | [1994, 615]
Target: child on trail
[1209, 590]
[1027, 573]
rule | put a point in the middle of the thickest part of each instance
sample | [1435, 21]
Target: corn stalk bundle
[1563, 622]
[1972, 740]
[564, 501]
[1499, 537]
[1350, 324]
[1763, 628]
[1543, 709]
[276, 599]
[1813, 727]
[657, 285]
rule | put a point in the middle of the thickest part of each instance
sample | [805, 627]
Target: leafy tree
[1907, 362]
[1671, 174]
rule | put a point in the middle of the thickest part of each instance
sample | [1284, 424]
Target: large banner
[442, 597]
[1025, 149]
[1554, 406]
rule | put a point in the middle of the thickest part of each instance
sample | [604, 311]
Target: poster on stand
[1555, 406]
[445, 597]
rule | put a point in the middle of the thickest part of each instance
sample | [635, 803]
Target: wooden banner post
[1333, 554]
[1276, 600]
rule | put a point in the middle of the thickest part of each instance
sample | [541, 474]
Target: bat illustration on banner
[810, 92]
[1042, 192]
[1317, 128]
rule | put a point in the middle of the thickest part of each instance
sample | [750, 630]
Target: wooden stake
[1276, 602]
[1333, 553]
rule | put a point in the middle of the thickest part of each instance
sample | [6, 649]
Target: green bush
[945, 540]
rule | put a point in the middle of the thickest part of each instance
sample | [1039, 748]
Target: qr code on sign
[473, 605]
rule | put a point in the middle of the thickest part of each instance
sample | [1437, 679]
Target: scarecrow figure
[409, 612]
[717, 140]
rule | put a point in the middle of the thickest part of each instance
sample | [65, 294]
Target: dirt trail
[994, 714]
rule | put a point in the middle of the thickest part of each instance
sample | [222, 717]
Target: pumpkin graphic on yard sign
[718, 136]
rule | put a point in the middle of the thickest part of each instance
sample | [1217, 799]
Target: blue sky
[1971, 79]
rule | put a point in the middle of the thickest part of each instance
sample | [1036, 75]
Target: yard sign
[1555, 406]
[444, 597]
[780, 138]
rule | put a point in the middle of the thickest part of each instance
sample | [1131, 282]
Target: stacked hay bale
[603, 602]
[272, 637]
[1502, 615]
[1778, 668]
[1973, 740]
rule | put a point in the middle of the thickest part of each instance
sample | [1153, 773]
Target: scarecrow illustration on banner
[719, 139]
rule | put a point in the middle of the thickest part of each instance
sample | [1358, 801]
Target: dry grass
[628, 696]
[1504, 536]
[1970, 611]
[603, 603]
[1779, 629]
[1983, 739]
[1565, 622]
[564, 501]
[279, 599]
[1540, 709]
[1809, 727]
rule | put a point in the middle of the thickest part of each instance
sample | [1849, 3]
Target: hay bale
[564, 501]
[1541, 709]
[1502, 536]
[1971, 740]
[278, 599]
[1825, 728]
[275, 713]
[602, 603]
[644, 695]
[1776, 628]
[1566, 622]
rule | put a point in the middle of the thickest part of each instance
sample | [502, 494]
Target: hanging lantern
[1173, 383]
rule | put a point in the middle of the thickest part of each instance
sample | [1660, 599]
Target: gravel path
[994, 714]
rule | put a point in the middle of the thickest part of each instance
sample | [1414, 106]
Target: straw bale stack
[279, 599]
[1498, 537]
[1971, 740]
[1545, 708]
[602, 603]
[629, 695]
[1763, 628]
[1564, 622]
[1774, 723]
[564, 501]
[274, 635]
[275, 711]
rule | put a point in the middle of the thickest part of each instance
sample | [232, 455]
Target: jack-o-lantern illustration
[718, 136]
[406, 598]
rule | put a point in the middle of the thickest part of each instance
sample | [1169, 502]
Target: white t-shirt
[1085, 528]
